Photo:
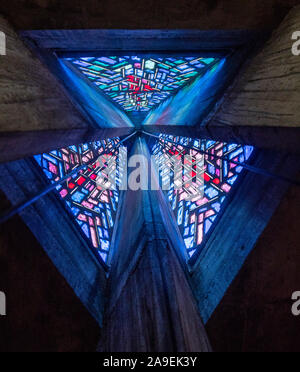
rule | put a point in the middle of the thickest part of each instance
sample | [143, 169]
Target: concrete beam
[103, 42]
[18, 145]
[133, 14]
[282, 139]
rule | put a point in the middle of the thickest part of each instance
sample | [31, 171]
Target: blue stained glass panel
[197, 217]
[139, 83]
[93, 207]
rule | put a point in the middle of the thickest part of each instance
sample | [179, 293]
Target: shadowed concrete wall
[30, 97]
[57, 232]
[267, 93]
[255, 313]
[240, 226]
[43, 312]
[202, 14]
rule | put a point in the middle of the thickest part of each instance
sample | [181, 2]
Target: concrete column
[150, 305]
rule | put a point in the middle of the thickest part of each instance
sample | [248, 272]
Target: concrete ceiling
[150, 14]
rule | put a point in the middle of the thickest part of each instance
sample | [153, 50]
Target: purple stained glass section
[197, 217]
[94, 208]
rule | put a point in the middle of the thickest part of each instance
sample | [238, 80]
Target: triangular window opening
[93, 207]
[197, 217]
[137, 83]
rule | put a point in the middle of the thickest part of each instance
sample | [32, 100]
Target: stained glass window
[140, 83]
[196, 218]
[93, 207]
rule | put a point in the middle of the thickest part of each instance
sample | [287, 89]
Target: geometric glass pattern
[94, 208]
[197, 217]
[139, 83]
